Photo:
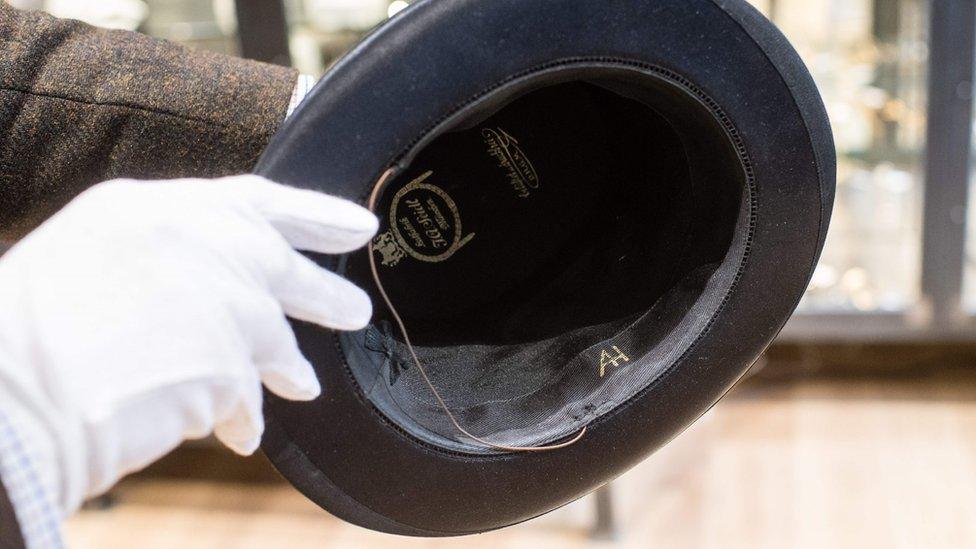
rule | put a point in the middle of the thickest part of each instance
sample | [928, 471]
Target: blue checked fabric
[38, 520]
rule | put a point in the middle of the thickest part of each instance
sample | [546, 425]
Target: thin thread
[373, 200]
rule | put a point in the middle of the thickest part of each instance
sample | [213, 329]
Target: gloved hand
[144, 314]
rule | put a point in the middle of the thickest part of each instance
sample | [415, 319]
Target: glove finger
[283, 368]
[309, 220]
[242, 424]
[310, 293]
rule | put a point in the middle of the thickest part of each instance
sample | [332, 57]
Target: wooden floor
[778, 464]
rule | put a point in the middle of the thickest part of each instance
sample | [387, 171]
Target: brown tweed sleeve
[79, 105]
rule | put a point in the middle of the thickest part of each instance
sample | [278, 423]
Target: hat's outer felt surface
[435, 58]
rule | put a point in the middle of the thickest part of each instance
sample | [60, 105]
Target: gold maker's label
[519, 170]
[425, 224]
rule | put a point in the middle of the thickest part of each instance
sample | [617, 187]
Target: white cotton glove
[144, 314]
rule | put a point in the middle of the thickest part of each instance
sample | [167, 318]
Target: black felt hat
[601, 213]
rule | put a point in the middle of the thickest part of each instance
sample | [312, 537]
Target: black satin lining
[548, 278]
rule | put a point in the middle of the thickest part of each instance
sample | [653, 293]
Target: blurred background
[858, 428]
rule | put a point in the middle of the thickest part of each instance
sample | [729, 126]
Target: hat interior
[552, 251]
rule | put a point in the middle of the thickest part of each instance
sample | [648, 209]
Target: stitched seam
[792, 85]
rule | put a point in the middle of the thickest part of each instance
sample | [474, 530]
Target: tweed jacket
[80, 105]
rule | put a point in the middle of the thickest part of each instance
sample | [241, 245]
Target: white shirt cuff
[304, 85]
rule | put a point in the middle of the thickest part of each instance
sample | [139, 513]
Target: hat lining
[617, 269]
